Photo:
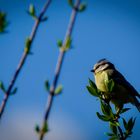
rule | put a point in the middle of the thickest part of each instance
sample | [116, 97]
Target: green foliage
[47, 85]
[103, 117]
[110, 116]
[44, 19]
[3, 22]
[93, 89]
[124, 110]
[27, 45]
[58, 90]
[45, 128]
[113, 136]
[14, 91]
[128, 126]
[106, 109]
[71, 3]
[82, 7]
[113, 128]
[32, 11]
[67, 44]
[114, 122]
[37, 129]
[59, 43]
[109, 85]
[2, 87]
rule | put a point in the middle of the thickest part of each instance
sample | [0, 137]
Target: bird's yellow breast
[100, 78]
[120, 93]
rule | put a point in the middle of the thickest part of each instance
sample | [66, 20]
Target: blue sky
[107, 29]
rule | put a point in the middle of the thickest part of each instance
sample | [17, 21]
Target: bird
[122, 93]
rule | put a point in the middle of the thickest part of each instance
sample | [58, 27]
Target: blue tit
[122, 93]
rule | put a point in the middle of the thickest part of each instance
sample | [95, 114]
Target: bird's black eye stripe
[100, 65]
[97, 67]
[110, 65]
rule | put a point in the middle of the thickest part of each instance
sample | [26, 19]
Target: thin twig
[23, 58]
[58, 68]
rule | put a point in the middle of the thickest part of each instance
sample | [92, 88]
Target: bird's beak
[92, 70]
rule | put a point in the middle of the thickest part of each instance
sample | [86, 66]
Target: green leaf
[45, 128]
[47, 85]
[106, 109]
[32, 10]
[125, 124]
[113, 128]
[67, 44]
[58, 90]
[44, 19]
[2, 87]
[103, 117]
[130, 124]
[110, 85]
[14, 91]
[82, 7]
[114, 123]
[27, 45]
[37, 128]
[92, 91]
[59, 43]
[3, 22]
[124, 110]
[71, 3]
[92, 84]
[128, 133]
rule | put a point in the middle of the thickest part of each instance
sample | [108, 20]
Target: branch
[110, 116]
[121, 133]
[24, 57]
[58, 67]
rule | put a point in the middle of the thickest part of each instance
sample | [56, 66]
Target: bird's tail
[137, 103]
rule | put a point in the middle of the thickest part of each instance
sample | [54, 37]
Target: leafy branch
[28, 44]
[110, 116]
[53, 89]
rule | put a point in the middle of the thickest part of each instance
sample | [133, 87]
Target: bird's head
[102, 65]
